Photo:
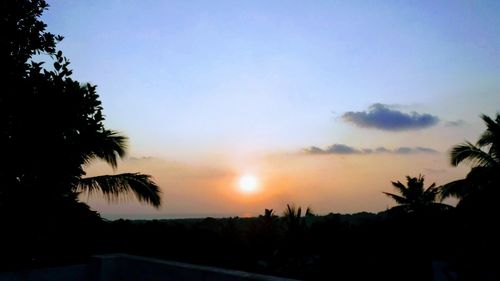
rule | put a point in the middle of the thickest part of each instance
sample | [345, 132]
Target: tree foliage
[51, 125]
[413, 197]
[483, 180]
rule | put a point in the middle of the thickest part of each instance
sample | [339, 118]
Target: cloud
[314, 150]
[333, 149]
[341, 149]
[425, 150]
[384, 117]
[456, 123]
[403, 150]
[367, 150]
[434, 171]
[412, 150]
[345, 149]
[143, 158]
[382, 150]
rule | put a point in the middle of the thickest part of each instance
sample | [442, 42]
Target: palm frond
[112, 146]
[454, 189]
[492, 126]
[112, 186]
[309, 212]
[430, 194]
[106, 145]
[486, 138]
[401, 188]
[470, 153]
[289, 211]
[299, 212]
[432, 189]
[490, 139]
[268, 213]
[397, 198]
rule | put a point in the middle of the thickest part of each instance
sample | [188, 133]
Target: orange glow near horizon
[339, 184]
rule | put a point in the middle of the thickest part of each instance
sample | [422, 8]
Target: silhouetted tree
[294, 220]
[478, 210]
[264, 232]
[414, 197]
[295, 252]
[268, 214]
[482, 182]
[51, 126]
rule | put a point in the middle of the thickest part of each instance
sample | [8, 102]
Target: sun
[248, 183]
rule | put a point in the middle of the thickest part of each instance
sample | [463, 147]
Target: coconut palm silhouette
[482, 182]
[484, 158]
[413, 197]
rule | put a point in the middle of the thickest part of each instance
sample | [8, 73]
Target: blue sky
[224, 81]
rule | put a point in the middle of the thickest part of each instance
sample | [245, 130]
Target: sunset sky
[323, 102]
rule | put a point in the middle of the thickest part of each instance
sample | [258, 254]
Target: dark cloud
[413, 150]
[383, 117]
[382, 150]
[333, 149]
[341, 149]
[403, 150]
[314, 150]
[456, 123]
[424, 150]
[345, 149]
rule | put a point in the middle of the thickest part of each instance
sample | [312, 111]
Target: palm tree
[484, 157]
[294, 220]
[51, 127]
[58, 130]
[413, 197]
[111, 147]
[62, 178]
[268, 214]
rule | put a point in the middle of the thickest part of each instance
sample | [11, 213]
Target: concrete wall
[132, 268]
[73, 273]
[121, 267]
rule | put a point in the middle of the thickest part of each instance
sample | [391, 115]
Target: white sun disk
[248, 183]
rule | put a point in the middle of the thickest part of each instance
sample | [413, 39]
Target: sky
[323, 102]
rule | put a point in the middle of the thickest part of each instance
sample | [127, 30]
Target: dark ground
[333, 247]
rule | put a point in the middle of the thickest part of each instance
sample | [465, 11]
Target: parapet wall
[120, 267]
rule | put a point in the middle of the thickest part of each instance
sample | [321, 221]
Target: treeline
[384, 246]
